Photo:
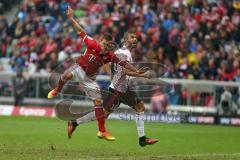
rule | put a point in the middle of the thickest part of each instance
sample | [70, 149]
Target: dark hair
[127, 33]
[107, 36]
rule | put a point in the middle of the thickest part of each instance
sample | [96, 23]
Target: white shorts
[90, 86]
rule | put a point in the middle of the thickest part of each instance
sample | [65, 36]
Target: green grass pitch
[46, 138]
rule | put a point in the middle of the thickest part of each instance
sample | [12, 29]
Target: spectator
[19, 87]
[159, 102]
[226, 107]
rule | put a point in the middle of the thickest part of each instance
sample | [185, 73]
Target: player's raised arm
[76, 25]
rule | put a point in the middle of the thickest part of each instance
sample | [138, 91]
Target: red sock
[100, 117]
[60, 85]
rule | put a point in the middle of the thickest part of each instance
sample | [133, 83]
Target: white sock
[87, 118]
[139, 117]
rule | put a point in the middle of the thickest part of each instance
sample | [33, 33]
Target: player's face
[104, 44]
[132, 39]
[107, 45]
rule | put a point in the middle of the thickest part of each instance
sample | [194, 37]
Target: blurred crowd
[6, 5]
[194, 39]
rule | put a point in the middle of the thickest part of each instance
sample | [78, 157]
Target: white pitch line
[200, 155]
[169, 156]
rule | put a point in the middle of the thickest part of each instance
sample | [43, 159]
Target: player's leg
[91, 117]
[139, 118]
[92, 90]
[130, 98]
[100, 115]
[78, 74]
[74, 123]
[62, 80]
[109, 103]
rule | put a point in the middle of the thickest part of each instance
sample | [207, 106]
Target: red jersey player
[96, 55]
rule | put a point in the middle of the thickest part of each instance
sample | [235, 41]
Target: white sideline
[200, 155]
[175, 156]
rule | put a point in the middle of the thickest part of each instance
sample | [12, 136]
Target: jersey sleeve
[90, 43]
[116, 59]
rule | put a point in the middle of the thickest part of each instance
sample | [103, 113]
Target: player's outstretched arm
[130, 70]
[123, 63]
[76, 25]
[146, 74]
[130, 67]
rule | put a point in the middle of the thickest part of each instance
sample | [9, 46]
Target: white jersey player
[120, 88]
[120, 80]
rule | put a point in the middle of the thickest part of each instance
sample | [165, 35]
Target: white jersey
[120, 81]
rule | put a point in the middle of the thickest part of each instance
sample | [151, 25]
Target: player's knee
[106, 114]
[140, 107]
[110, 102]
[97, 102]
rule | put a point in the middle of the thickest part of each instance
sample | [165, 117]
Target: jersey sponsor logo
[94, 59]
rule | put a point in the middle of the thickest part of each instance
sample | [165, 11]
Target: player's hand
[70, 12]
[148, 74]
[143, 69]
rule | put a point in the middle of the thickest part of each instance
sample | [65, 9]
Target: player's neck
[129, 47]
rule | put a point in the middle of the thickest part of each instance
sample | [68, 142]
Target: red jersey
[94, 58]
